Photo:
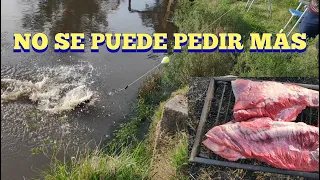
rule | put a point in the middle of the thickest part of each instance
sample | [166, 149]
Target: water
[40, 93]
[61, 88]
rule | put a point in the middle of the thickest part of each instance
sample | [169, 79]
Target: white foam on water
[56, 89]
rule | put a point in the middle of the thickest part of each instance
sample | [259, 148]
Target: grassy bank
[129, 154]
[199, 16]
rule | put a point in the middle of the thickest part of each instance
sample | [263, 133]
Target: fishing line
[166, 59]
[141, 77]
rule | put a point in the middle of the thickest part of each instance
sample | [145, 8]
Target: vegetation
[279, 65]
[127, 156]
[204, 16]
[180, 155]
[129, 164]
[149, 96]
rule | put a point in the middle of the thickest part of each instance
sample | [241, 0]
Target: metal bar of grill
[204, 114]
[229, 79]
[221, 101]
[229, 100]
[197, 157]
[254, 168]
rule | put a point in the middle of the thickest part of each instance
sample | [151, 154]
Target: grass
[166, 154]
[170, 157]
[129, 164]
[279, 65]
[149, 97]
[180, 155]
[198, 17]
[126, 156]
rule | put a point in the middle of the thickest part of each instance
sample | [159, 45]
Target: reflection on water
[156, 16]
[85, 16]
[24, 126]
[69, 16]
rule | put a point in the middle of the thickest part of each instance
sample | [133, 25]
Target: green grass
[129, 164]
[199, 17]
[281, 65]
[180, 156]
[149, 98]
[126, 156]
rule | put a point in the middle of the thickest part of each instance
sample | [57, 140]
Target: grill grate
[218, 109]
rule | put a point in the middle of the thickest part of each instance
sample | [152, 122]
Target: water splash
[61, 88]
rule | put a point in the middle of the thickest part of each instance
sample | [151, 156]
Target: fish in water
[63, 89]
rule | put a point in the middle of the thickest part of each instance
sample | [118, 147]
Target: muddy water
[37, 88]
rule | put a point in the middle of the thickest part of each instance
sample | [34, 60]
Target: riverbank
[128, 155]
[210, 16]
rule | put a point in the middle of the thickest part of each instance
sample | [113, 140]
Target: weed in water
[36, 150]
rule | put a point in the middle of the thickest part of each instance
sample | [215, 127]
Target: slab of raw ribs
[279, 101]
[286, 145]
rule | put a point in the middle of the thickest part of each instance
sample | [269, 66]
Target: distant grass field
[198, 17]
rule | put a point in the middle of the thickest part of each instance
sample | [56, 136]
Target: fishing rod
[166, 59]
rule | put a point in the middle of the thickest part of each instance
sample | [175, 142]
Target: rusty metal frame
[194, 156]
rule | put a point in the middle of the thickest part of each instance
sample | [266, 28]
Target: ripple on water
[53, 89]
[34, 105]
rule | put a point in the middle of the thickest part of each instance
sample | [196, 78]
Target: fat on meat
[285, 145]
[279, 101]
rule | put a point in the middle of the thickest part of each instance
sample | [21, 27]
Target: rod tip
[165, 60]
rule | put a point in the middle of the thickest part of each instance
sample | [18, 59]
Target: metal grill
[218, 109]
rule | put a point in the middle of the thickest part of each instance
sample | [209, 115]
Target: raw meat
[286, 145]
[289, 114]
[279, 101]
